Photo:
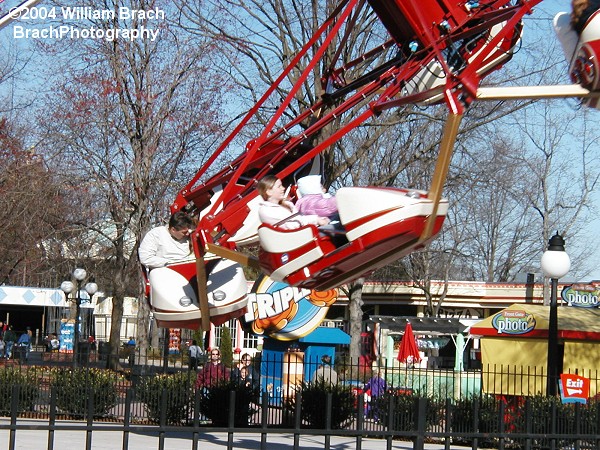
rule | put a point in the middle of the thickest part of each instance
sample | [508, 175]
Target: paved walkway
[113, 440]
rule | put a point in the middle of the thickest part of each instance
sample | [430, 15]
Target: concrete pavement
[112, 440]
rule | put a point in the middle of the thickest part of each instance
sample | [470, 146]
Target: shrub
[571, 419]
[404, 407]
[155, 353]
[314, 405]
[73, 388]
[214, 403]
[481, 411]
[28, 391]
[179, 393]
[404, 417]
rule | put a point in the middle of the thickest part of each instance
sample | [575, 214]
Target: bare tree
[13, 65]
[130, 119]
[564, 165]
[31, 209]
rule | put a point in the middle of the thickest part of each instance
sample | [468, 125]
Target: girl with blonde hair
[276, 210]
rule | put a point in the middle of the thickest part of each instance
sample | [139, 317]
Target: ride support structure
[457, 43]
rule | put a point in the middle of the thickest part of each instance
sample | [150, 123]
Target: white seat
[248, 233]
[581, 50]
[381, 207]
[280, 242]
[432, 75]
[172, 283]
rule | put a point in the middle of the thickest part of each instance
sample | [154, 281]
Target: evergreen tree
[226, 347]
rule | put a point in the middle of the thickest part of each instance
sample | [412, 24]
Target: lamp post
[555, 264]
[79, 275]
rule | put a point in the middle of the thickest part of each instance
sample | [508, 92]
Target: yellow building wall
[513, 366]
[582, 357]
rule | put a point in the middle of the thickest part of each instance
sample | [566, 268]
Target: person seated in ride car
[164, 245]
[276, 210]
[313, 198]
[582, 11]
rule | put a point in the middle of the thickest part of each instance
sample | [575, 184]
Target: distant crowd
[10, 342]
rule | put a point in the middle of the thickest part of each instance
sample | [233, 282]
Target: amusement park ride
[442, 49]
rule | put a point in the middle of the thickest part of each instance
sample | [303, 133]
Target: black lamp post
[79, 275]
[555, 264]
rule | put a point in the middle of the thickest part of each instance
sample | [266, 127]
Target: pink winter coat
[319, 204]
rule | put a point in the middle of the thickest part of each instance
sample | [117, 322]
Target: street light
[79, 275]
[555, 264]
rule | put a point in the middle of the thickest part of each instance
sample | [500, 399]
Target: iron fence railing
[482, 424]
[279, 374]
[499, 407]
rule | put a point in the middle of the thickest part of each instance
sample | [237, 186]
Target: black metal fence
[417, 405]
[482, 423]
[281, 372]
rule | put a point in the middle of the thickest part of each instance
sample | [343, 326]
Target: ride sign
[574, 388]
[284, 312]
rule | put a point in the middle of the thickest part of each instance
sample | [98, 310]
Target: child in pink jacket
[313, 199]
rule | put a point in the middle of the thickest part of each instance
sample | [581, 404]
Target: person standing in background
[213, 371]
[325, 373]
[131, 347]
[9, 338]
[374, 389]
[24, 344]
[195, 352]
[251, 378]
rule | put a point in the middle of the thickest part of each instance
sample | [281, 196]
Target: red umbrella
[408, 351]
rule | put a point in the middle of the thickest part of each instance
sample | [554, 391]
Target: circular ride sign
[284, 312]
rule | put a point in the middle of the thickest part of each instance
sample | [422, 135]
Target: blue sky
[552, 7]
